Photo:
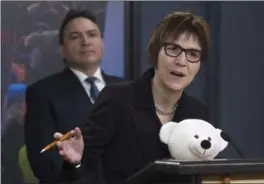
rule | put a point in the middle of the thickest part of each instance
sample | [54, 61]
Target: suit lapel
[108, 79]
[111, 79]
[74, 88]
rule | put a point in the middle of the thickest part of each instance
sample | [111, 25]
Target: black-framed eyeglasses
[174, 50]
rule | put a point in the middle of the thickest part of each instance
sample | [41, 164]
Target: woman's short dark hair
[173, 26]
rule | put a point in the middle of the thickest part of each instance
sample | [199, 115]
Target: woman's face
[178, 62]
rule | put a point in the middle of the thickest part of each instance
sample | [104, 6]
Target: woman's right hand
[71, 149]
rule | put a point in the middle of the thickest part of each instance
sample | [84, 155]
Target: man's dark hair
[73, 14]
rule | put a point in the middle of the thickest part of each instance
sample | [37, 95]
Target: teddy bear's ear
[223, 143]
[166, 130]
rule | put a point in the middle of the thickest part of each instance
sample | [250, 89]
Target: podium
[221, 171]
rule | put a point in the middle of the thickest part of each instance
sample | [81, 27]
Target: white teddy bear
[192, 140]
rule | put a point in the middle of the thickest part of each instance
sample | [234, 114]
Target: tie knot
[91, 79]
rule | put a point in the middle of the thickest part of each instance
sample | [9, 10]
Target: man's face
[83, 45]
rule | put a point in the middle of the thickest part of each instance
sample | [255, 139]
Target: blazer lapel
[146, 132]
[181, 110]
[145, 120]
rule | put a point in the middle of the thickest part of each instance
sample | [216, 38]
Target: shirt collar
[82, 76]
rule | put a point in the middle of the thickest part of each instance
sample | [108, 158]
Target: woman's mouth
[178, 74]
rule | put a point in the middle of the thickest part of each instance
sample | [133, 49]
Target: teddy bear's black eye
[209, 139]
[196, 136]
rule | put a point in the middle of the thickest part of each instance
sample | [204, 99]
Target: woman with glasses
[122, 133]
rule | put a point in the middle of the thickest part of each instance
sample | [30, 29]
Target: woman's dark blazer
[123, 130]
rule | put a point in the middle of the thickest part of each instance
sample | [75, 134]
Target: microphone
[227, 138]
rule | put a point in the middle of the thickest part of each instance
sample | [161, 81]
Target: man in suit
[60, 102]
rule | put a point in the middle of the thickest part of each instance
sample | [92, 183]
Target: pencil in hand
[64, 137]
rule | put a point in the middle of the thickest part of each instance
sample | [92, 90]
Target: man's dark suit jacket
[57, 103]
[123, 131]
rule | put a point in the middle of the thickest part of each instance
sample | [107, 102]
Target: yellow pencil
[51, 145]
